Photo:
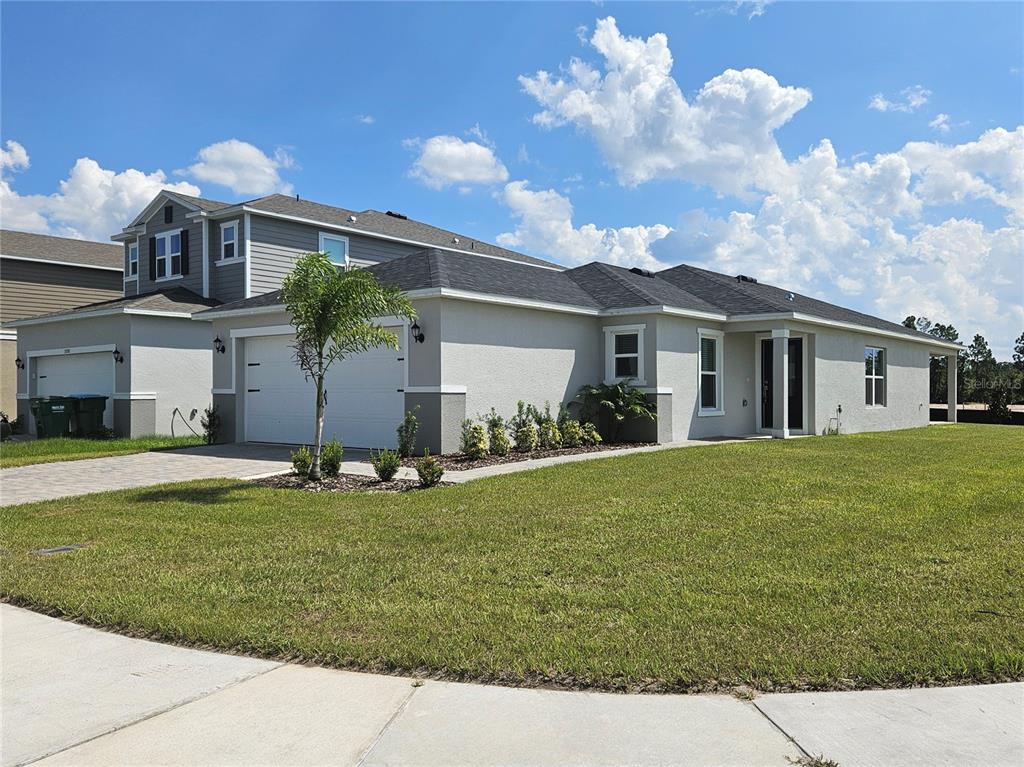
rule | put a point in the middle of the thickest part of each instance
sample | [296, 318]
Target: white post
[951, 387]
[780, 383]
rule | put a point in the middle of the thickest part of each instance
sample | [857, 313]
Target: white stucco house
[722, 355]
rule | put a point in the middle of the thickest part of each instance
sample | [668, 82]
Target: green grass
[866, 560]
[69, 449]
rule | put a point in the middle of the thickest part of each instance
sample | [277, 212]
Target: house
[721, 355]
[40, 273]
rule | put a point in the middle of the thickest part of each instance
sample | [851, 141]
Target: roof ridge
[437, 268]
[730, 283]
[634, 289]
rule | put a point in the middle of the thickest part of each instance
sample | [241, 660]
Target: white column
[780, 383]
[951, 387]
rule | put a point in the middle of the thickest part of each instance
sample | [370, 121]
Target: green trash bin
[53, 415]
[88, 409]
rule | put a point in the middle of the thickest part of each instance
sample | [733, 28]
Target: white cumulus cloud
[545, 226]
[241, 167]
[91, 203]
[13, 156]
[447, 160]
[909, 100]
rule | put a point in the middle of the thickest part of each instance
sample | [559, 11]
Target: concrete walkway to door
[47, 481]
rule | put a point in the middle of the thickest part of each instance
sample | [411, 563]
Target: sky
[871, 154]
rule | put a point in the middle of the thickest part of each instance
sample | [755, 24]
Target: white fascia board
[852, 326]
[128, 233]
[235, 210]
[670, 310]
[98, 313]
[243, 312]
[150, 209]
[491, 298]
[63, 263]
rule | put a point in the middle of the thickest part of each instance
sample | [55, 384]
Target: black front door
[796, 383]
[766, 384]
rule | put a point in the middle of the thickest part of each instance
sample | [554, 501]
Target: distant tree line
[980, 377]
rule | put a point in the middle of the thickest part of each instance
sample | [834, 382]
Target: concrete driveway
[77, 696]
[46, 481]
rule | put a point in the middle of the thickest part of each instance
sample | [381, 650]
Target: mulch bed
[459, 462]
[343, 483]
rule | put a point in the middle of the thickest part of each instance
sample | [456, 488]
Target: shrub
[474, 440]
[429, 469]
[302, 459]
[407, 433]
[330, 458]
[572, 433]
[548, 436]
[101, 432]
[591, 436]
[616, 402]
[210, 421]
[386, 463]
[525, 438]
[497, 436]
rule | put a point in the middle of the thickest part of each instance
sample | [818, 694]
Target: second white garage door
[365, 398]
[59, 375]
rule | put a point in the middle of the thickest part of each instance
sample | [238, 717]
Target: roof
[168, 301]
[61, 250]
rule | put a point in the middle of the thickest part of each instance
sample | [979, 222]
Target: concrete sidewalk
[75, 695]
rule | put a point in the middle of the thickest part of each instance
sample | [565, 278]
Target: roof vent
[396, 215]
[351, 219]
[790, 296]
[296, 198]
[745, 278]
[455, 240]
[642, 272]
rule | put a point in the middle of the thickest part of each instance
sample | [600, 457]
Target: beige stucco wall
[8, 377]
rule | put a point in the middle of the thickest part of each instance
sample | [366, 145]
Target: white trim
[490, 298]
[147, 214]
[206, 258]
[264, 330]
[21, 395]
[71, 350]
[134, 395]
[222, 391]
[8, 335]
[244, 312]
[170, 278]
[808, 427]
[718, 337]
[657, 390]
[132, 279]
[883, 378]
[138, 260]
[237, 224]
[333, 236]
[158, 313]
[230, 261]
[98, 313]
[64, 263]
[610, 333]
[247, 223]
[442, 389]
[168, 255]
[780, 333]
[866, 330]
[374, 235]
[662, 309]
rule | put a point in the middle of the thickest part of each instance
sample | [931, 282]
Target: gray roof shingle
[179, 300]
[65, 250]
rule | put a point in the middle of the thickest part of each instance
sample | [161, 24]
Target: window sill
[229, 261]
[874, 407]
[703, 413]
[169, 278]
[134, 278]
[633, 382]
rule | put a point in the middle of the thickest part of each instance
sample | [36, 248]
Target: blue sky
[912, 205]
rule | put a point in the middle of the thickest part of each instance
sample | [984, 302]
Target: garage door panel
[365, 401]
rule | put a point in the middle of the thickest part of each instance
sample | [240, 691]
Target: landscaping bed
[461, 462]
[343, 483]
[870, 560]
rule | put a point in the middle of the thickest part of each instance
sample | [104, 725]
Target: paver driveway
[46, 481]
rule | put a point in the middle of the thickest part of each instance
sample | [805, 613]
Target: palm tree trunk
[314, 468]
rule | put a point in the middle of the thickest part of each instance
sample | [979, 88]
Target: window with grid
[627, 355]
[874, 376]
[710, 395]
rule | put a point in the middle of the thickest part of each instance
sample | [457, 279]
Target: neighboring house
[40, 273]
[721, 355]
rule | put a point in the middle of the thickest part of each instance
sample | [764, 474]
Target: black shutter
[184, 251]
[152, 258]
[168, 214]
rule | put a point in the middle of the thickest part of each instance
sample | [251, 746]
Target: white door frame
[758, 338]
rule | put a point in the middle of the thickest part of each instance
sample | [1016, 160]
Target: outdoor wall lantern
[118, 357]
[219, 345]
[18, 363]
[417, 334]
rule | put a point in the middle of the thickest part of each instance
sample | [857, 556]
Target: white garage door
[91, 373]
[365, 399]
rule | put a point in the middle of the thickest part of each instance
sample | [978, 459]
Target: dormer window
[228, 240]
[133, 259]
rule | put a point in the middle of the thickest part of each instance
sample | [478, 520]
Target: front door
[795, 389]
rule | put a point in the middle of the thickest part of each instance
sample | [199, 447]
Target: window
[229, 241]
[168, 255]
[709, 360]
[624, 354]
[133, 259]
[874, 376]
[335, 247]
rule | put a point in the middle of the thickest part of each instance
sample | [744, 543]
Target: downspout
[248, 252]
[206, 257]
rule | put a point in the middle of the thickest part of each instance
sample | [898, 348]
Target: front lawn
[866, 560]
[71, 449]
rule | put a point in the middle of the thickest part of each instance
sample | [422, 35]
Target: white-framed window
[874, 376]
[133, 261]
[336, 247]
[229, 241]
[168, 255]
[710, 357]
[624, 354]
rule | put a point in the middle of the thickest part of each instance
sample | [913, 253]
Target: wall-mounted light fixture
[417, 334]
[219, 345]
[18, 363]
[118, 357]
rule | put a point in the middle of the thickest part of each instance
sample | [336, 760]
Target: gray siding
[194, 279]
[276, 244]
[227, 280]
[28, 288]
